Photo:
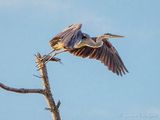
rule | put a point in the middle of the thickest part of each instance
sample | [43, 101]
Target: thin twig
[48, 94]
[22, 90]
[37, 76]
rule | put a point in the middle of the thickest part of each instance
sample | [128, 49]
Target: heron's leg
[45, 57]
[48, 54]
[61, 51]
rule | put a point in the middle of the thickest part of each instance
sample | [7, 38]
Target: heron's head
[85, 36]
[109, 35]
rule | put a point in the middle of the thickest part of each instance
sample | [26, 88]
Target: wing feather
[107, 54]
[70, 36]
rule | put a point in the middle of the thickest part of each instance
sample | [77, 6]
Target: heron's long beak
[116, 36]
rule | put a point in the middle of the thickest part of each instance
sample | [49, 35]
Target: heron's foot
[47, 58]
[55, 59]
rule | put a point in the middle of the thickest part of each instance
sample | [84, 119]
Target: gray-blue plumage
[73, 40]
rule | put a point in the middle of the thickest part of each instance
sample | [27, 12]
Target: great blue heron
[73, 40]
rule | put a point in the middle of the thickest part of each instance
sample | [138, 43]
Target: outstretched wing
[69, 37]
[107, 54]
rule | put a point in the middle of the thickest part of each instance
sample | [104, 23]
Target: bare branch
[48, 94]
[22, 90]
[46, 91]
[37, 76]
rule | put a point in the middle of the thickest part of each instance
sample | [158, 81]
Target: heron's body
[58, 46]
[81, 44]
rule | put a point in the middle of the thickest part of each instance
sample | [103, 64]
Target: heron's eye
[83, 37]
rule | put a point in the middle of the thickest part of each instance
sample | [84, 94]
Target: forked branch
[48, 94]
[46, 91]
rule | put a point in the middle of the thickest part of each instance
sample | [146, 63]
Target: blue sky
[87, 90]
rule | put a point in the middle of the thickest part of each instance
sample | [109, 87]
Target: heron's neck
[99, 39]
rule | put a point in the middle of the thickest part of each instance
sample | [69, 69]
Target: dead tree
[46, 90]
